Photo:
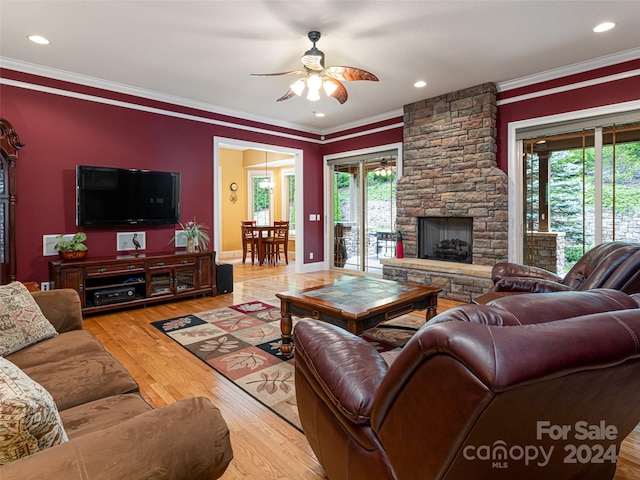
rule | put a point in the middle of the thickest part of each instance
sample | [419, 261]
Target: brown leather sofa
[609, 265]
[545, 390]
[113, 432]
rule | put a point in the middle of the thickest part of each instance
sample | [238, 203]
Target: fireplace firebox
[446, 238]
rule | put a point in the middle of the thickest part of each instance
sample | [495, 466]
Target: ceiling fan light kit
[317, 77]
[298, 86]
[329, 87]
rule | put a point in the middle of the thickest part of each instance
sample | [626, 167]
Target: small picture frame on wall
[48, 242]
[126, 241]
[180, 240]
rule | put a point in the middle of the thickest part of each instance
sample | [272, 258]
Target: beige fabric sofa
[113, 432]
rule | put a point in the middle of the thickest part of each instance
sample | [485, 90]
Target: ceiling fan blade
[287, 96]
[349, 74]
[340, 92]
[293, 72]
[313, 59]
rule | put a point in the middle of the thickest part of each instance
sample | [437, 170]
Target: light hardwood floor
[265, 446]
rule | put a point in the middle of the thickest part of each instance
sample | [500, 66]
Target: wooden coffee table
[356, 304]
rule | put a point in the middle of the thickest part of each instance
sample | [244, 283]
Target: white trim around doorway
[328, 202]
[233, 143]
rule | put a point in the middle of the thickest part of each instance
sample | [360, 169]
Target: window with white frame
[260, 199]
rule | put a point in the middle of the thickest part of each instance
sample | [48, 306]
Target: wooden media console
[109, 283]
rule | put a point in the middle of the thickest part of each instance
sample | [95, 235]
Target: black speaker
[224, 277]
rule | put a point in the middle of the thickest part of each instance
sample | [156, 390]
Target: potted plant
[196, 235]
[73, 248]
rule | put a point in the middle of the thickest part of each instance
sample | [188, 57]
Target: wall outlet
[310, 255]
[44, 286]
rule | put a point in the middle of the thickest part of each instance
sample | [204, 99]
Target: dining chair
[249, 240]
[280, 238]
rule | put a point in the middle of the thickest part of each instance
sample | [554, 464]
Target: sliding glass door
[581, 188]
[364, 211]
[621, 183]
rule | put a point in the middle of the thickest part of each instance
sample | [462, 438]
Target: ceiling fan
[316, 76]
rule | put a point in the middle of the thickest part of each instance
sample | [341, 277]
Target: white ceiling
[202, 52]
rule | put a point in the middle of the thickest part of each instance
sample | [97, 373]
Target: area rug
[242, 342]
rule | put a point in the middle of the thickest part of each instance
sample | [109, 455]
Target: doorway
[261, 182]
[363, 210]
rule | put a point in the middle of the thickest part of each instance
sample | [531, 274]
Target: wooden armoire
[9, 146]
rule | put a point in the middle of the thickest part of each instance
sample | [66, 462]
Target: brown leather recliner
[609, 265]
[467, 398]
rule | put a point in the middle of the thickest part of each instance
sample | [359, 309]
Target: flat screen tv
[109, 196]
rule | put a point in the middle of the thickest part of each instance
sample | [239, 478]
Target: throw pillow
[21, 320]
[29, 419]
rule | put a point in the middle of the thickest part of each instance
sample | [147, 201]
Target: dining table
[262, 232]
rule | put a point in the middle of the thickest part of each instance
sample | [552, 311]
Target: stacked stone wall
[546, 250]
[455, 285]
[450, 170]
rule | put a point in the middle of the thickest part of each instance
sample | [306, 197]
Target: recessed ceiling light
[604, 27]
[420, 84]
[39, 39]
[319, 114]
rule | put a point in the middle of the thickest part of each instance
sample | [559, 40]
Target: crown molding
[85, 80]
[365, 121]
[171, 113]
[573, 69]
[568, 88]
[144, 108]
[363, 133]
[65, 76]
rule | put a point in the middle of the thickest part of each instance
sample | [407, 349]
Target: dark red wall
[598, 95]
[59, 132]
[384, 133]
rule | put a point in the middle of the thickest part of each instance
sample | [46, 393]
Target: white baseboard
[230, 254]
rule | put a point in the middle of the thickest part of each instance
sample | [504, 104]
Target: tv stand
[124, 281]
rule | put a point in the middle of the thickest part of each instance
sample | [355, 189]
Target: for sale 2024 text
[587, 443]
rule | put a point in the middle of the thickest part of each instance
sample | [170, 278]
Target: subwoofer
[224, 278]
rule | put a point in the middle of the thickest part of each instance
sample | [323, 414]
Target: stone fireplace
[450, 171]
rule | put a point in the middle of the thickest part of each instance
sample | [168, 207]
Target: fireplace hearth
[446, 238]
